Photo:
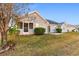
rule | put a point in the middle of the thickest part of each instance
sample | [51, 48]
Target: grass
[43, 45]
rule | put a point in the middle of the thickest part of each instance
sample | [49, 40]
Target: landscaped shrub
[39, 31]
[58, 30]
[73, 30]
[13, 32]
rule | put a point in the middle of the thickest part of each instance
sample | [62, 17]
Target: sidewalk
[56, 33]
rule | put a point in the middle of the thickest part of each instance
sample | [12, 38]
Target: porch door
[25, 27]
[48, 28]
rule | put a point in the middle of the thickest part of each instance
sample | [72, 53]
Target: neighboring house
[77, 28]
[67, 27]
[27, 23]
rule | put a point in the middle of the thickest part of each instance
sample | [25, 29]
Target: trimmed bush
[73, 30]
[39, 31]
[58, 30]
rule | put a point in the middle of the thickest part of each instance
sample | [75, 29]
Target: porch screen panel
[25, 27]
[30, 25]
[20, 25]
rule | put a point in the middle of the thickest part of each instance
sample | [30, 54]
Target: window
[30, 25]
[20, 25]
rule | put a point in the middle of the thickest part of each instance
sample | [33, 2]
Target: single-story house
[28, 22]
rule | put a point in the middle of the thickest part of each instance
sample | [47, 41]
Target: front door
[25, 27]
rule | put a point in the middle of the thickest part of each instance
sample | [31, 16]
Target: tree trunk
[3, 38]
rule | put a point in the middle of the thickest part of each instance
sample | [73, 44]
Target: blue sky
[59, 12]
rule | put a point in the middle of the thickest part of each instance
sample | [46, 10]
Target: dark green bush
[73, 30]
[39, 31]
[58, 30]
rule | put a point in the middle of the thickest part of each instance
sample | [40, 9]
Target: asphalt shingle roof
[52, 22]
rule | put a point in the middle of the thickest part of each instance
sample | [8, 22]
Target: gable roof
[39, 15]
[21, 17]
[44, 19]
[52, 22]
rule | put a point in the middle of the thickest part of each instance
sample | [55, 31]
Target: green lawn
[43, 45]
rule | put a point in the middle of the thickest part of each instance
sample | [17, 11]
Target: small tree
[5, 16]
[8, 11]
[13, 32]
